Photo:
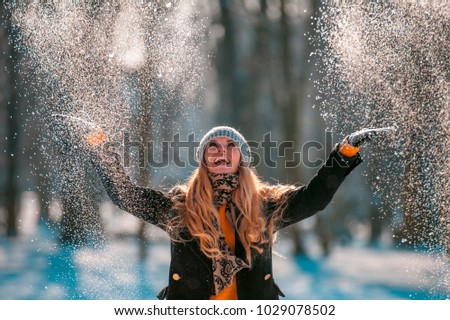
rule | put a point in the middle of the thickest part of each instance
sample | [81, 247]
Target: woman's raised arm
[145, 203]
[309, 199]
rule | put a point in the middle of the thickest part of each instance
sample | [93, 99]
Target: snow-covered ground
[35, 266]
[38, 268]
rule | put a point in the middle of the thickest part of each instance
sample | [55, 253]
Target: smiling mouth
[221, 162]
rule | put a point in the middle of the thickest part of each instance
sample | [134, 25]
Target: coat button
[176, 277]
[267, 276]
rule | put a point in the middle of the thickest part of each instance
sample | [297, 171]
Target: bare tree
[232, 81]
[10, 102]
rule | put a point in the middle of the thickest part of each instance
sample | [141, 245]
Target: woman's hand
[351, 144]
[95, 138]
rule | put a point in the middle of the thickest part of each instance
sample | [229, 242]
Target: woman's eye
[231, 145]
[212, 148]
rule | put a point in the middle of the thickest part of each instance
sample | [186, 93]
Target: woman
[223, 220]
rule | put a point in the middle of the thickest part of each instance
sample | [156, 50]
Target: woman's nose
[221, 149]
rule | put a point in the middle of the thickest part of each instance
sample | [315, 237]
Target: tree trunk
[81, 223]
[290, 113]
[144, 176]
[10, 58]
[231, 85]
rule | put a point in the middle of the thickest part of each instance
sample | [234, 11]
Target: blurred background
[249, 64]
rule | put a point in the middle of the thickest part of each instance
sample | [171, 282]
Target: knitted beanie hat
[224, 131]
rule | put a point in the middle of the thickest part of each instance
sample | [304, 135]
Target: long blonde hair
[194, 201]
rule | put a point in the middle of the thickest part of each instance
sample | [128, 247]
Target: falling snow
[383, 64]
[103, 66]
[92, 61]
[386, 64]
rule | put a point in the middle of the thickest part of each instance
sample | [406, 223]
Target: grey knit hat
[224, 131]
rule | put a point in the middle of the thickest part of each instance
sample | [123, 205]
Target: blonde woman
[222, 220]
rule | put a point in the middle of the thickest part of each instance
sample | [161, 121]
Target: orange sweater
[229, 293]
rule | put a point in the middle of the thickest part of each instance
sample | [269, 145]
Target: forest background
[256, 65]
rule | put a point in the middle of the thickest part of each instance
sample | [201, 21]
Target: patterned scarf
[225, 267]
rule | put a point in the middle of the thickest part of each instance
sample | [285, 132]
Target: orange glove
[95, 138]
[350, 145]
[347, 149]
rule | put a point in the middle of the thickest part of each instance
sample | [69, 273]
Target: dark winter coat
[190, 275]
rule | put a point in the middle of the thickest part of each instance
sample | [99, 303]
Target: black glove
[358, 138]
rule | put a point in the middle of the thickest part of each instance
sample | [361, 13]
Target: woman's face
[222, 155]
